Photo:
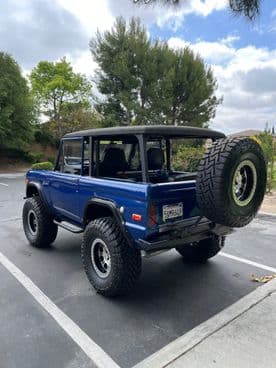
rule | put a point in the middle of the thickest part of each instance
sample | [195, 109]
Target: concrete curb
[266, 214]
[185, 343]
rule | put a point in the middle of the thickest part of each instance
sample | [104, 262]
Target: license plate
[172, 211]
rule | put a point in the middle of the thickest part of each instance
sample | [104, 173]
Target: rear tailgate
[173, 201]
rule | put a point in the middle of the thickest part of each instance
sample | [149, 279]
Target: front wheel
[202, 250]
[111, 264]
[38, 225]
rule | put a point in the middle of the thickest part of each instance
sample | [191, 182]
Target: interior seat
[156, 158]
[114, 161]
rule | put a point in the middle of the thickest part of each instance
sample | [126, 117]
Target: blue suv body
[120, 187]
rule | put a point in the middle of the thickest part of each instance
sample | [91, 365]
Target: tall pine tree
[146, 82]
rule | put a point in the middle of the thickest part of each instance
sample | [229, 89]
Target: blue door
[64, 181]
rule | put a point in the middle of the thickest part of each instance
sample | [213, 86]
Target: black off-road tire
[216, 187]
[201, 251]
[125, 260]
[46, 230]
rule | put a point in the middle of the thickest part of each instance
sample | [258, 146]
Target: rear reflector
[152, 215]
[136, 217]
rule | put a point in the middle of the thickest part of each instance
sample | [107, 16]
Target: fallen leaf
[263, 278]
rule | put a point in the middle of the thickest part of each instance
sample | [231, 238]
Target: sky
[241, 53]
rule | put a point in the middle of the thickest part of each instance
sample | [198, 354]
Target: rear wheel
[202, 250]
[111, 264]
[37, 223]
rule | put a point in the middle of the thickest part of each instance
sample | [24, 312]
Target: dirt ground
[269, 203]
[13, 167]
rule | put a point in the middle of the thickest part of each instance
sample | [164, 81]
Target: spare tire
[231, 181]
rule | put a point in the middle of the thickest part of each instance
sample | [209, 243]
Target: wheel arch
[33, 189]
[98, 207]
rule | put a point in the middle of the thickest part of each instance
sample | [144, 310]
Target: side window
[119, 159]
[70, 157]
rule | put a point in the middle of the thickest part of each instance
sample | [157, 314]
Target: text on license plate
[172, 211]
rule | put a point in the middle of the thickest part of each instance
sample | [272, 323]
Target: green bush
[187, 158]
[52, 159]
[43, 166]
[43, 136]
[14, 153]
[35, 157]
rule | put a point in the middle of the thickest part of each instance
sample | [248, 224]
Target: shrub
[34, 157]
[187, 158]
[14, 153]
[43, 166]
[43, 136]
[52, 159]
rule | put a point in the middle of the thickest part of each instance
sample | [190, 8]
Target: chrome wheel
[244, 183]
[32, 222]
[100, 258]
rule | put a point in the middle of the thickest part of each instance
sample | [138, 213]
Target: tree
[54, 84]
[149, 83]
[267, 140]
[249, 8]
[16, 106]
[75, 116]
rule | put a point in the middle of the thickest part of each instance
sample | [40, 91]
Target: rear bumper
[179, 233]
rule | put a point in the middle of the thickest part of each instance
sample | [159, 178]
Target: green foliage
[34, 156]
[187, 158]
[43, 136]
[54, 84]
[249, 8]
[74, 116]
[43, 166]
[14, 153]
[52, 159]
[149, 83]
[267, 140]
[16, 104]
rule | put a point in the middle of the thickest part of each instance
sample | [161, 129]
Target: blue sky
[242, 54]
[220, 24]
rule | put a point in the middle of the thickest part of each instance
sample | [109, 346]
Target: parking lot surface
[170, 299]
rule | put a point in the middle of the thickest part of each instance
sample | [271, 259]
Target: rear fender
[98, 207]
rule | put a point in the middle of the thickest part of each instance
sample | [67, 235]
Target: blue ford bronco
[125, 189]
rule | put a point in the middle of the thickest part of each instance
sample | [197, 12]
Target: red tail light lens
[152, 216]
[136, 217]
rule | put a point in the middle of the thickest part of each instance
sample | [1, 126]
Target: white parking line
[5, 185]
[247, 261]
[10, 219]
[97, 355]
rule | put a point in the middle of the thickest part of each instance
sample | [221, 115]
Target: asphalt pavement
[170, 299]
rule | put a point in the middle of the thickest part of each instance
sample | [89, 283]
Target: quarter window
[70, 157]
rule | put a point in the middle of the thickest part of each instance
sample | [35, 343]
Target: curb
[266, 214]
[185, 343]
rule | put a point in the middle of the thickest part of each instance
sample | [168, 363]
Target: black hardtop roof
[149, 130]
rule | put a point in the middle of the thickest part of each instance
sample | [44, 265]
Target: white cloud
[246, 79]
[45, 29]
[93, 14]
[172, 16]
[214, 52]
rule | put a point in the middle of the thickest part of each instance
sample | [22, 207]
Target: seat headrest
[156, 158]
[114, 160]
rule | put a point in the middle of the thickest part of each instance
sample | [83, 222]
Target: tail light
[152, 216]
